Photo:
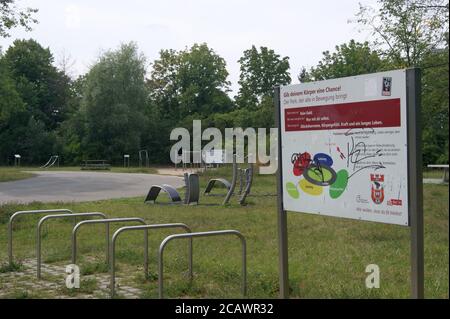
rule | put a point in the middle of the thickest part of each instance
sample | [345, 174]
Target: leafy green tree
[115, 97]
[347, 60]
[191, 81]
[260, 70]
[435, 97]
[414, 33]
[12, 16]
[406, 30]
[202, 79]
[44, 89]
[185, 85]
[11, 109]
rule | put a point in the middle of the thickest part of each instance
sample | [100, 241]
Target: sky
[300, 29]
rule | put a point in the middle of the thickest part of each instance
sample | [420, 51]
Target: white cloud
[301, 30]
[73, 18]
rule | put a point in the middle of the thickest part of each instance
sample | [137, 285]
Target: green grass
[8, 174]
[328, 256]
[433, 173]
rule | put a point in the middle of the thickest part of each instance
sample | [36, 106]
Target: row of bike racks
[111, 244]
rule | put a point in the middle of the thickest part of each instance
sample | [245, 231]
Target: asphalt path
[62, 186]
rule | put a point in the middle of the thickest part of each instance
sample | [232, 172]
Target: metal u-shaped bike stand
[107, 223]
[27, 212]
[59, 216]
[145, 228]
[203, 234]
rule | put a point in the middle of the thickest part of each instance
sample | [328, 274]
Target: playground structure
[54, 159]
[144, 159]
[111, 244]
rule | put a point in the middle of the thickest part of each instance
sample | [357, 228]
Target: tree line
[121, 105]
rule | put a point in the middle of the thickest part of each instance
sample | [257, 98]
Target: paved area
[176, 172]
[81, 186]
[434, 181]
[53, 283]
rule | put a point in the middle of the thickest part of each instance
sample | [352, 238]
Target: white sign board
[214, 156]
[344, 147]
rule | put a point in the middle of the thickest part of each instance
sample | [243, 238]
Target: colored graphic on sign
[318, 173]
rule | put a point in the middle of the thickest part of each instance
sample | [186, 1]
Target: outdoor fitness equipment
[42, 221]
[230, 186]
[202, 234]
[27, 212]
[54, 159]
[192, 185]
[143, 158]
[244, 191]
[145, 228]
[107, 222]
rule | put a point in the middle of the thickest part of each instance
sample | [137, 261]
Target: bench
[95, 165]
[445, 167]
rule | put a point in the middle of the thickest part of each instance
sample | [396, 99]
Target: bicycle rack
[26, 212]
[107, 222]
[145, 228]
[203, 234]
[41, 222]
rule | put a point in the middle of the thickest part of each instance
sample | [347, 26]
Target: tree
[44, 89]
[11, 16]
[260, 72]
[188, 82]
[415, 33]
[202, 79]
[113, 105]
[185, 85]
[406, 30]
[435, 112]
[349, 59]
[20, 132]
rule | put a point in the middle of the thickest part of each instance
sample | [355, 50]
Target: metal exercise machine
[192, 194]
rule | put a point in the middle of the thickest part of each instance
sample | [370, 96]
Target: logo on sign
[395, 202]
[387, 86]
[377, 193]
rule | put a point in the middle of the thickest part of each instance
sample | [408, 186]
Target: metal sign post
[415, 188]
[283, 260]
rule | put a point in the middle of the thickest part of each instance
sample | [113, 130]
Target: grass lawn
[433, 173]
[328, 256]
[11, 174]
[8, 174]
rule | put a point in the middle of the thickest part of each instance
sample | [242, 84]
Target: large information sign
[344, 147]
